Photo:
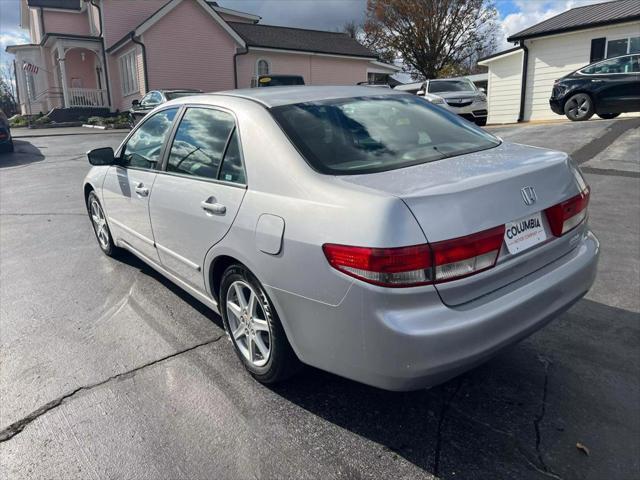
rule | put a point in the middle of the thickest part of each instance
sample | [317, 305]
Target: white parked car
[458, 95]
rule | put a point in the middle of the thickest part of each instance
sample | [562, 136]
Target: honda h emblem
[529, 195]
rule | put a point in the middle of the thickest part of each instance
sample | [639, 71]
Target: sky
[514, 15]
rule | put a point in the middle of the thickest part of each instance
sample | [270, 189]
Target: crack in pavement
[543, 409]
[446, 403]
[518, 444]
[17, 427]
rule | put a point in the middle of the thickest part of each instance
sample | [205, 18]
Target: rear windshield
[377, 133]
[450, 86]
[280, 81]
[173, 95]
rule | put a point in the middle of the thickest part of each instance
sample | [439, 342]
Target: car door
[197, 195]
[614, 84]
[127, 187]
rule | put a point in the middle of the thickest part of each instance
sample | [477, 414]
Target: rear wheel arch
[218, 267]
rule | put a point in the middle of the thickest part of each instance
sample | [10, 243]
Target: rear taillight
[389, 267]
[567, 215]
[418, 264]
[465, 256]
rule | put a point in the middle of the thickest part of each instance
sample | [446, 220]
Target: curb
[89, 132]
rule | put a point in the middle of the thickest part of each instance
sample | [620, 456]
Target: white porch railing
[87, 97]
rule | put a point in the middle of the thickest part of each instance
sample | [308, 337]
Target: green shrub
[18, 121]
[95, 121]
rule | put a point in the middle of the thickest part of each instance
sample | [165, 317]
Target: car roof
[287, 95]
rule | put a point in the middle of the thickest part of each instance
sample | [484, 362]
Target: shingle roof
[580, 18]
[66, 4]
[287, 38]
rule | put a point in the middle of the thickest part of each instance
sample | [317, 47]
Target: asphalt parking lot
[109, 371]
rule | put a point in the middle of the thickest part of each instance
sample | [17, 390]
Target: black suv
[608, 88]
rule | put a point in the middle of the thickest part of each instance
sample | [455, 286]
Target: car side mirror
[135, 103]
[101, 156]
[483, 90]
[420, 93]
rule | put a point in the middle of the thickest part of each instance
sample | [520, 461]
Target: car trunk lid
[459, 196]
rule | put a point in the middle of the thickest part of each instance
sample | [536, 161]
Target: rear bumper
[405, 339]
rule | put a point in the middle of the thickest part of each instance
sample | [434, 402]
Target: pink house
[103, 54]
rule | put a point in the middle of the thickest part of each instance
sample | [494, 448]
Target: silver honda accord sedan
[370, 234]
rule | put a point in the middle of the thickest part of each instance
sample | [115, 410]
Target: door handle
[210, 206]
[142, 190]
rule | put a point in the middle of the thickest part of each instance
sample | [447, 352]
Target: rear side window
[144, 147]
[232, 169]
[377, 133]
[201, 141]
[612, 66]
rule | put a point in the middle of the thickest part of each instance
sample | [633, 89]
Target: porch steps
[75, 114]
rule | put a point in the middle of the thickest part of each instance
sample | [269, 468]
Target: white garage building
[521, 78]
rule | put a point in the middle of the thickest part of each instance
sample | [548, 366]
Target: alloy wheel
[578, 106]
[248, 323]
[99, 224]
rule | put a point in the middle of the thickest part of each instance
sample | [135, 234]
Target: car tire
[257, 336]
[100, 226]
[579, 107]
[608, 116]
[481, 122]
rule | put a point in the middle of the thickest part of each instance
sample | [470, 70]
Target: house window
[623, 46]
[129, 73]
[262, 67]
[31, 85]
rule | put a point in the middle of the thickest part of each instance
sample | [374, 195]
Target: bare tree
[432, 36]
[352, 29]
[8, 95]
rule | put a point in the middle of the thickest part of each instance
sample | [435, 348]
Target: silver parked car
[458, 95]
[366, 233]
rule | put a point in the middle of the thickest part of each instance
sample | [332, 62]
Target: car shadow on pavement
[25, 153]
[520, 415]
[131, 260]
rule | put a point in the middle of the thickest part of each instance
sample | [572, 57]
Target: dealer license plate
[525, 233]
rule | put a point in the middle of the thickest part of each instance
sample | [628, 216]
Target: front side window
[128, 73]
[377, 133]
[151, 99]
[144, 147]
[438, 86]
[200, 142]
[609, 67]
